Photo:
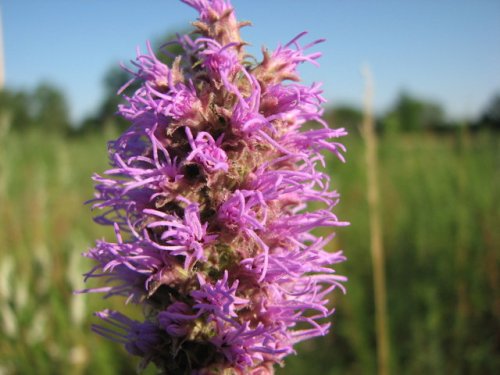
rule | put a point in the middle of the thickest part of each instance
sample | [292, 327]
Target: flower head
[207, 152]
[207, 193]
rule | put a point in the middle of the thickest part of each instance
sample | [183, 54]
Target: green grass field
[440, 212]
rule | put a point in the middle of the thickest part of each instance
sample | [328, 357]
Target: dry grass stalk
[376, 245]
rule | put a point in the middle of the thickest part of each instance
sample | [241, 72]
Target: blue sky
[444, 50]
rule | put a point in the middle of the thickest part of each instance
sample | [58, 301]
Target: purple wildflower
[207, 193]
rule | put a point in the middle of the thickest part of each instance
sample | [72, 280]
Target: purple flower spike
[207, 192]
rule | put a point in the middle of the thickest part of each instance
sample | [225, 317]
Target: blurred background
[436, 66]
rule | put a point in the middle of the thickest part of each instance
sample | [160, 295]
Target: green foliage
[439, 198]
[412, 114]
[345, 116]
[440, 214]
[49, 109]
[14, 110]
[491, 114]
[44, 108]
[44, 228]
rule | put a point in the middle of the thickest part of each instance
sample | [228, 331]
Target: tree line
[45, 107]
[409, 113]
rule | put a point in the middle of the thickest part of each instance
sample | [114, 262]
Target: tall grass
[44, 227]
[439, 204]
[440, 198]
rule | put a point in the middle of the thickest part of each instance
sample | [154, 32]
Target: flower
[176, 319]
[207, 152]
[207, 193]
[185, 238]
[141, 339]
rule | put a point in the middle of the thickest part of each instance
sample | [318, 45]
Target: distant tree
[14, 110]
[412, 114]
[5, 113]
[491, 114]
[345, 116]
[49, 109]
